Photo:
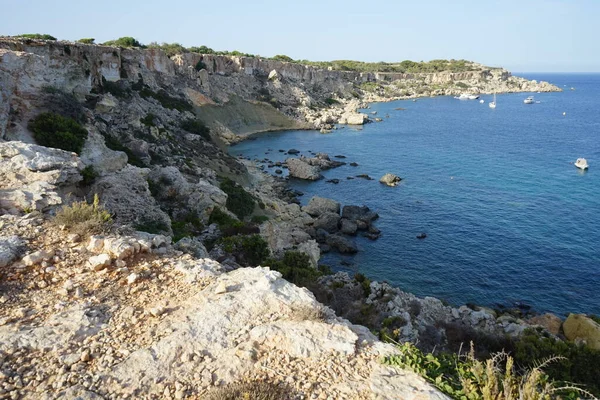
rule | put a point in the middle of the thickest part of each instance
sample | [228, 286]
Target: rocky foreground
[130, 317]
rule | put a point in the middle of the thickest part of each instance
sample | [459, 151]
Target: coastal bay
[508, 217]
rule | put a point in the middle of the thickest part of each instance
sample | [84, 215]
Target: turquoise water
[508, 217]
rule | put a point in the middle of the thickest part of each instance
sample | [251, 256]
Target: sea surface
[508, 217]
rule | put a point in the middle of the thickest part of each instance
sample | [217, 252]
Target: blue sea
[508, 217]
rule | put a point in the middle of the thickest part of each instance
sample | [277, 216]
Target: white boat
[481, 101]
[581, 163]
[466, 96]
[492, 104]
[529, 100]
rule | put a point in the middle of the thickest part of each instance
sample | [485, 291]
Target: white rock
[132, 278]
[37, 257]
[96, 244]
[221, 288]
[99, 262]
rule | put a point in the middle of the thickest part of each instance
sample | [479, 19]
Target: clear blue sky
[524, 35]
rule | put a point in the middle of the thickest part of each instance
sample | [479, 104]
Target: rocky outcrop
[320, 205]
[578, 327]
[390, 180]
[154, 323]
[35, 177]
[300, 169]
[127, 196]
[11, 247]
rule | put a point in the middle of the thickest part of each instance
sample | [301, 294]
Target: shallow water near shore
[508, 217]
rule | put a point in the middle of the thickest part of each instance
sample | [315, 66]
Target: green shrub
[259, 219]
[39, 36]
[217, 216]
[202, 50]
[468, 378]
[250, 250]
[53, 130]
[86, 41]
[170, 49]
[173, 103]
[125, 41]
[83, 218]
[200, 65]
[187, 225]
[114, 144]
[574, 366]
[239, 202]
[117, 88]
[148, 120]
[196, 127]
[296, 268]
[331, 101]
[155, 227]
[462, 85]
[282, 57]
[89, 175]
[364, 282]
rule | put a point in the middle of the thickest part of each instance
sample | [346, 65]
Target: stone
[578, 327]
[96, 244]
[37, 257]
[132, 278]
[359, 213]
[273, 75]
[320, 205]
[301, 170]
[293, 151]
[312, 250]
[548, 321]
[220, 288]
[11, 248]
[356, 119]
[328, 221]
[35, 177]
[348, 227]
[341, 244]
[99, 262]
[390, 179]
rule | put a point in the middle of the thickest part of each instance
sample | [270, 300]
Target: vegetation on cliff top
[39, 36]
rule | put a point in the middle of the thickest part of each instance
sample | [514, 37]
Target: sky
[522, 36]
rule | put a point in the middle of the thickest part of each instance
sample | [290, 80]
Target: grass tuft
[83, 218]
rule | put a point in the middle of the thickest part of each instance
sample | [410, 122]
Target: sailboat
[492, 104]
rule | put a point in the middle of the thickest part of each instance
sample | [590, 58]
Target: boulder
[548, 321]
[356, 213]
[312, 250]
[302, 170]
[11, 247]
[36, 177]
[348, 227]
[341, 244]
[328, 221]
[390, 179]
[127, 196]
[273, 75]
[319, 205]
[581, 328]
[355, 119]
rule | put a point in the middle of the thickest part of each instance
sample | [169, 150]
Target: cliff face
[295, 93]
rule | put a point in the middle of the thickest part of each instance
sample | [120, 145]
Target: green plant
[282, 57]
[170, 49]
[200, 65]
[187, 225]
[148, 120]
[89, 175]
[83, 218]
[331, 101]
[125, 41]
[196, 127]
[151, 226]
[461, 85]
[249, 250]
[364, 282]
[53, 130]
[295, 267]
[465, 377]
[202, 50]
[116, 145]
[116, 88]
[239, 202]
[39, 36]
[219, 217]
[249, 391]
[259, 219]
[86, 41]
